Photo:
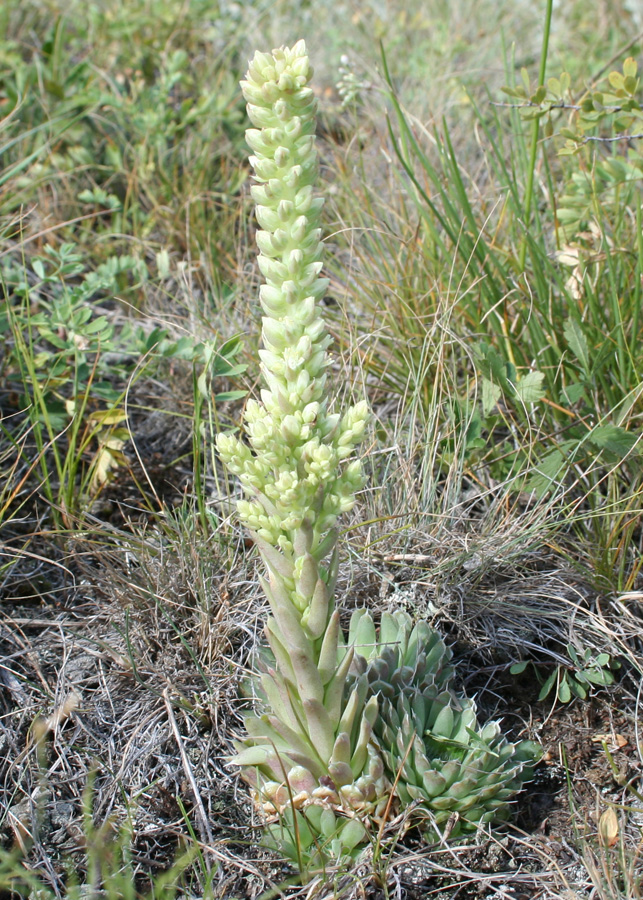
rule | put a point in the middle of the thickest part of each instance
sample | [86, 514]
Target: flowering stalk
[313, 745]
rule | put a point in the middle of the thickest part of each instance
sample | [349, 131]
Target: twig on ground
[204, 826]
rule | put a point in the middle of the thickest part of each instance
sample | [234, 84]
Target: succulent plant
[312, 745]
[316, 836]
[337, 722]
[401, 655]
[435, 752]
[447, 763]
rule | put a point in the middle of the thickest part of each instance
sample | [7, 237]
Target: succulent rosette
[447, 763]
[400, 655]
[443, 763]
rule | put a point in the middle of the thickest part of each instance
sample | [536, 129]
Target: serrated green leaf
[493, 366]
[574, 392]
[550, 470]
[529, 388]
[614, 439]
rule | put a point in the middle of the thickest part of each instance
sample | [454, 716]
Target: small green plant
[313, 747]
[454, 774]
[55, 343]
[587, 669]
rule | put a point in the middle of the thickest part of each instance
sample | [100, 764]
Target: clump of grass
[107, 868]
[544, 368]
[124, 128]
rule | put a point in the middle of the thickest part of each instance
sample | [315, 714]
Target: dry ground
[124, 651]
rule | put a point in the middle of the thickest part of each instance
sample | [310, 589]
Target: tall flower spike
[291, 469]
[313, 745]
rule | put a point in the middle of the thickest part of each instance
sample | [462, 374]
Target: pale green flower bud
[254, 412]
[310, 412]
[345, 504]
[290, 429]
[284, 544]
[353, 476]
[233, 452]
